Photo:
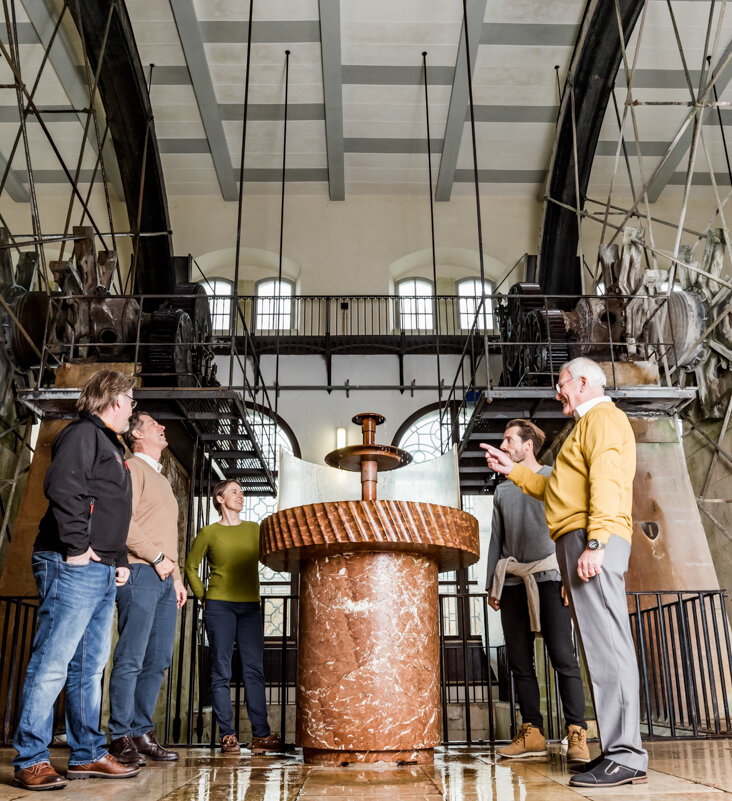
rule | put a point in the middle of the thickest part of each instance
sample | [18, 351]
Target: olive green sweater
[233, 561]
[591, 485]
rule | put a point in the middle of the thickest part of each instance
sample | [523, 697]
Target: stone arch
[452, 265]
[255, 264]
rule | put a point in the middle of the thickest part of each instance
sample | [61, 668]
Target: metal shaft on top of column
[368, 458]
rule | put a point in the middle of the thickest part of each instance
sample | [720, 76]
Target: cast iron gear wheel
[521, 299]
[546, 347]
[169, 356]
[198, 309]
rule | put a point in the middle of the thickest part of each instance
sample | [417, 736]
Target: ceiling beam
[330, 51]
[189, 32]
[663, 176]
[43, 17]
[459, 99]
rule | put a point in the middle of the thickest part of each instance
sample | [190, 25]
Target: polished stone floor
[679, 771]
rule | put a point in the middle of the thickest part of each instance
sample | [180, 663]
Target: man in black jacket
[79, 559]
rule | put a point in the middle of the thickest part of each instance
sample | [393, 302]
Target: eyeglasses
[559, 386]
[133, 402]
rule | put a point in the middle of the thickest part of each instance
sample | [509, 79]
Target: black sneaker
[609, 774]
[587, 766]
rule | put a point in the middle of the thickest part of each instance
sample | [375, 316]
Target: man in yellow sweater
[588, 500]
[147, 608]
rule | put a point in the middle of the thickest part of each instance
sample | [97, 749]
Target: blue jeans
[146, 614]
[71, 646]
[225, 622]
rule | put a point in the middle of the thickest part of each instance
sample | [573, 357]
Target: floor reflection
[688, 771]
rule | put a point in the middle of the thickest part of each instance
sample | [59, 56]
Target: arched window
[470, 291]
[273, 305]
[220, 293]
[415, 304]
[422, 438]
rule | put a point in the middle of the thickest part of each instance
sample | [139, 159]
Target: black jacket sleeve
[67, 485]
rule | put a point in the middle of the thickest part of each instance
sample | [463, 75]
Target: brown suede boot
[577, 750]
[528, 742]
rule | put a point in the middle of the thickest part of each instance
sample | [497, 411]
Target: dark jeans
[227, 621]
[71, 646]
[556, 628]
[146, 614]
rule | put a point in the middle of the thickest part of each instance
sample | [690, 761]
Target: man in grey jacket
[522, 575]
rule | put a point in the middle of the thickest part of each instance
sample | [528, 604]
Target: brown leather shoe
[124, 751]
[105, 768]
[272, 742]
[40, 776]
[229, 744]
[148, 745]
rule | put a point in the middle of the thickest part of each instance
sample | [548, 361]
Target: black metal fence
[682, 642]
[364, 315]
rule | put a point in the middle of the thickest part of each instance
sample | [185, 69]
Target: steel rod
[31, 105]
[131, 276]
[93, 110]
[434, 253]
[240, 203]
[476, 180]
[278, 300]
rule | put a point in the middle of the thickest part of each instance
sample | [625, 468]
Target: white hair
[582, 367]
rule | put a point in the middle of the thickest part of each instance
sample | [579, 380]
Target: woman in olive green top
[232, 612]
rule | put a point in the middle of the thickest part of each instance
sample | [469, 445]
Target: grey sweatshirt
[519, 529]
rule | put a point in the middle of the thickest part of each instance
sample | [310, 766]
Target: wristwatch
[595, 545]
[159, 559]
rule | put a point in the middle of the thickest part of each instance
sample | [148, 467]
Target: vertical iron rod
[283, 671]
[130, 283]
[14, 54]
[240, 204]
[282, 233]
[476, 181]
[434, 254]
[443, 671]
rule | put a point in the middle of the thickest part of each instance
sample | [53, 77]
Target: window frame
[422, 310]
[462, 300]
[288, 317]
[210, 284]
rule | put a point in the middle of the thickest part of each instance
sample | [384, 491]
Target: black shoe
[584, 767]
[609, 774]
[124, 751]
[148, 745]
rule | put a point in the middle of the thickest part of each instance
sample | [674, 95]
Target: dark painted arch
[123, 90]
[595, 62]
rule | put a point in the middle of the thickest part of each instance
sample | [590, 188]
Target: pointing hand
[497, 461]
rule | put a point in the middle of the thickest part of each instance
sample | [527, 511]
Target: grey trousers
[600, 613]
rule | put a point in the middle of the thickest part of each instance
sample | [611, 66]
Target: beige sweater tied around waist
[524, 570]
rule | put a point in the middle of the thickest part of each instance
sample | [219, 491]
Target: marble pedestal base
[368, 667]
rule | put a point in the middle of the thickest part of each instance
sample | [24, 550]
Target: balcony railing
[682, 643]
[361, 315]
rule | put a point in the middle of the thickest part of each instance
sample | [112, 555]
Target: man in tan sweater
[147, 609]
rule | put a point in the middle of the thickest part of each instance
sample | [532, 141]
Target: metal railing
[682, 642]
[534, 340]
[361, 315]
[170, 361]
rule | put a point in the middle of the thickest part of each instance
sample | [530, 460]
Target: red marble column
[368, 651]
[368, 672]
